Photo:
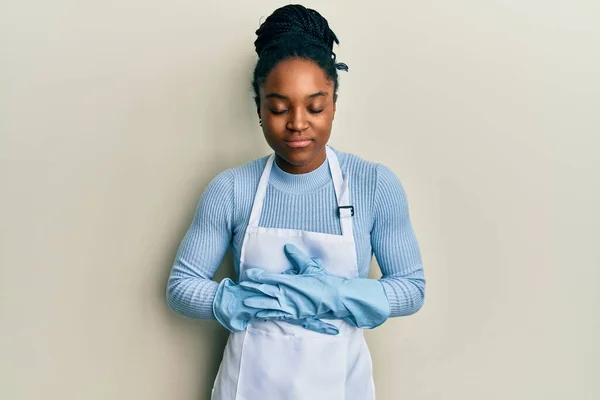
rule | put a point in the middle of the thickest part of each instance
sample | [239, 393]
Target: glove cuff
[221, 303]
[366, 301]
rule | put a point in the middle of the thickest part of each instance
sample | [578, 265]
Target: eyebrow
[280, 96]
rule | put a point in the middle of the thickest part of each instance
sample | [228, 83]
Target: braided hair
[294, 31]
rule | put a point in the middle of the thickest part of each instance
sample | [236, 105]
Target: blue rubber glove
[230, 311]
[315, 294]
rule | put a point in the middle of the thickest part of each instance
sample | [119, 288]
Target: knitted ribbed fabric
[306, 202]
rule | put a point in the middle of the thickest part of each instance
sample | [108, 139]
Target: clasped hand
[235, 306]
[301, 296]
[309, 292]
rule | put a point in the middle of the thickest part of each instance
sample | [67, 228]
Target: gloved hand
[230, 311]
[315, 294]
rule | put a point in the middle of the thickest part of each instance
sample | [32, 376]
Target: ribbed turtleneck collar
[298, 183]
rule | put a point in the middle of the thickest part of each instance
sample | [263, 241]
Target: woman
[303, 224]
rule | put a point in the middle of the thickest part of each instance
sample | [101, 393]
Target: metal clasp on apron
[345, 214]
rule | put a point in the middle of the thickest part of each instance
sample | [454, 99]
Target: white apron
[274, 360]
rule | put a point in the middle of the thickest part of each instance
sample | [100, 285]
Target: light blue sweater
[306, 202]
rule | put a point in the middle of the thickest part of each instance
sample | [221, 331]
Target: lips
[298, 142]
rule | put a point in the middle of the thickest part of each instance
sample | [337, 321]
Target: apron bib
[274, 360]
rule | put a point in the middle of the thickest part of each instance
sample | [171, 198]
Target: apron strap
[261, 192]
[342, 193]
[340, 184]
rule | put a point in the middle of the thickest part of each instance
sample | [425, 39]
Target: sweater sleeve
[190, 288]
[395, 246]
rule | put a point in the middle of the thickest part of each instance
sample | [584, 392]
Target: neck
[304, 168]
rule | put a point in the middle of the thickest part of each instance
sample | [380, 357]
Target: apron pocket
[277, 366]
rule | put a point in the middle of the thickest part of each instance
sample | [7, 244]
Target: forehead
[296, 77]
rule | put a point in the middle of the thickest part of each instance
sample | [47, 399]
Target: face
[297, 108]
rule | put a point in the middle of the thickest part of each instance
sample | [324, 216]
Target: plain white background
[115, 115]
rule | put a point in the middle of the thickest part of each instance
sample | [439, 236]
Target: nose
[297, 121]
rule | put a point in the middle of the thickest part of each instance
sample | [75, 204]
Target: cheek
[274, 126]
[324, 124]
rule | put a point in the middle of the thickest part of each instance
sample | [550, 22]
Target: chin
[297, 158]
[300, 156]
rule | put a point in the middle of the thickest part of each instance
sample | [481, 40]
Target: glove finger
[254, 274]
[313, 268]
[317, 325]
[260, 276]
[267, 289]
[290, 272]
[273, 314]
[262, 302]
[300, 260]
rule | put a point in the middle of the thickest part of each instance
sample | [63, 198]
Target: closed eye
[278, 112]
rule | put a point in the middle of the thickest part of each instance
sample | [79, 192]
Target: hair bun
[293, 24]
